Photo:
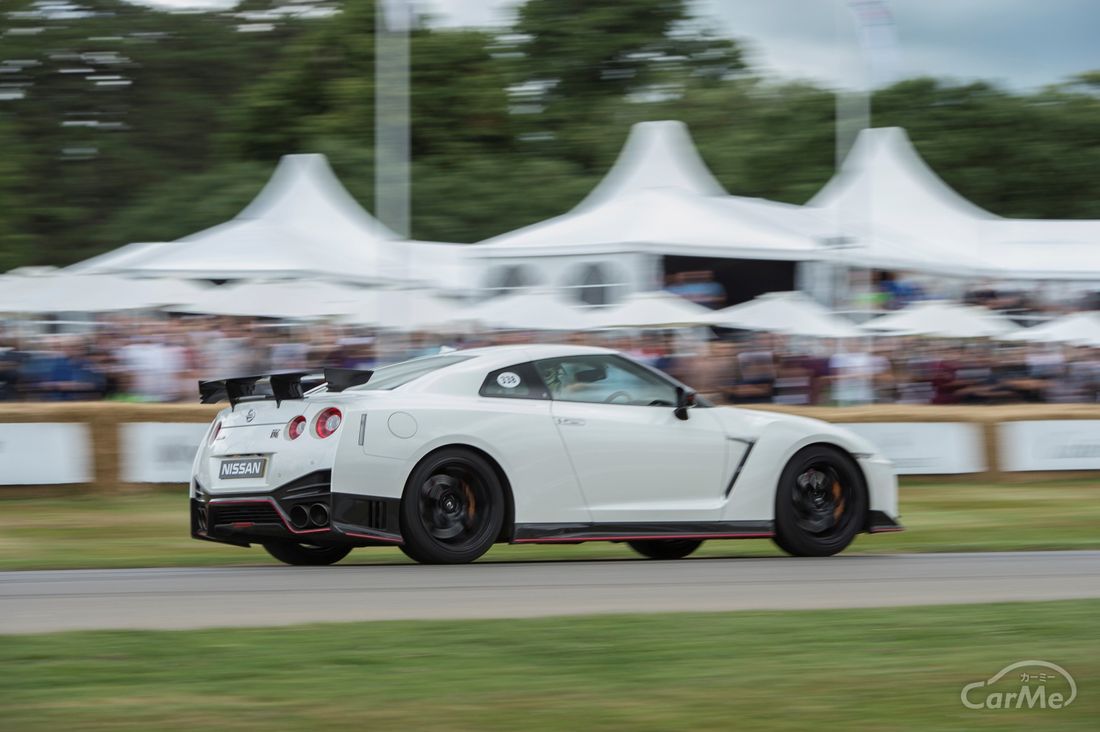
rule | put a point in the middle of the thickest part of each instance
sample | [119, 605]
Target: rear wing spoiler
[283, 385]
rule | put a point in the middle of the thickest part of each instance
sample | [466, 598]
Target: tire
[665, 548]
[452, 510]
[820, 502]
[306, 555]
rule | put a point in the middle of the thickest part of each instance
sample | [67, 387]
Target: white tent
[657, 309]
[943, 319]
[303, 223]
[660, 197]
[62, 292]
[1079, 329]
[887, 208]
[116, 260]
[283, 299]
[526, 311]
[790, 313]
[407, 310]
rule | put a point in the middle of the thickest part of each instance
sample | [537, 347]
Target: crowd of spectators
[161, 360]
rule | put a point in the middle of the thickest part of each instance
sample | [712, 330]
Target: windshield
[399, 374]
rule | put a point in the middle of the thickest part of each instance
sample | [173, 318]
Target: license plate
[247, 468]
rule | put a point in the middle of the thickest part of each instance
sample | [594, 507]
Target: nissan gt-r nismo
[448, 454]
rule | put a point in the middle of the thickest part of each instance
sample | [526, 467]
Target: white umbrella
[527, 311]
[284, 299]
[94, 293]
[657, 309]
[1081, 329]
[401, 310]
[790, 313]
[943, 319]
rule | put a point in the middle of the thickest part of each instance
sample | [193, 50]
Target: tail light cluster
[214, 432]
[325, 424]
[296, 427]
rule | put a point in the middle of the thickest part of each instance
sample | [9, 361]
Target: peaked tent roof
[656, 309]
[895, 211]
[790, 313]
[656, 155]
[1081, 329]
[943, 319]
[659, 196]
[303, 223]
[536, 310]
[899, 214]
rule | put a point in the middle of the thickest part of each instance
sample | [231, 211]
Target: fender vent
[376, 515]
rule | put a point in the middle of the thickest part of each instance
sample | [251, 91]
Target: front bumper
[304, 510]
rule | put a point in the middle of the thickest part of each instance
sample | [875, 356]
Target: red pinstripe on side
[632, 537]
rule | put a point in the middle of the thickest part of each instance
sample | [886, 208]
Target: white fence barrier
[927, 448]
[159, 452]
[43, 453]
[1049, 445]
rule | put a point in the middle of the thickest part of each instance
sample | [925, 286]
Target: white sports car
[446, 455]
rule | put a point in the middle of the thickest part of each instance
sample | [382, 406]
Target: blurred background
[204, 188]
[882, 213]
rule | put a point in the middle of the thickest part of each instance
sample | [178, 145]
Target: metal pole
[391, 114]
[392, 21]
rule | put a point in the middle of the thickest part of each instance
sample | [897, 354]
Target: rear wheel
[820, 502]
[665, 548]
[453, 508]
[306, 554]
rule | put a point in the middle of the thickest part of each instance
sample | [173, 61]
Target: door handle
[570, 421]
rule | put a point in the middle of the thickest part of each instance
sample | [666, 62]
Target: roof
[894, 212]
[302, 223]
[660, 197]
[536, 350]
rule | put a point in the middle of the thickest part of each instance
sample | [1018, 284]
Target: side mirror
[684, 399]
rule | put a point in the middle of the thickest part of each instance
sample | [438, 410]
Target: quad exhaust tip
[318, 514]
[303, 516]
[299, 516]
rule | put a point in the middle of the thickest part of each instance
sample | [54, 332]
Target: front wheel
[453, 508]
[665, 548]
[306, 555]
[820, 502]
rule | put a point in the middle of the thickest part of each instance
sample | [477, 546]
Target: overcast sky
[1020, 43]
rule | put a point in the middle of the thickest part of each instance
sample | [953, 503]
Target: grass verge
[897, 669]
[151, 529]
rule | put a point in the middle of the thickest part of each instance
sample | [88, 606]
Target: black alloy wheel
[453, 508]
[820, 502]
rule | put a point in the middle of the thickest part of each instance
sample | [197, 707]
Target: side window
[605, 379]
[514, 382]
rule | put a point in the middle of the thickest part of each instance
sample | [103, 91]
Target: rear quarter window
[514, 382]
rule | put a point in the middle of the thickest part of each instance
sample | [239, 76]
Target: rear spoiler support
[284, 385]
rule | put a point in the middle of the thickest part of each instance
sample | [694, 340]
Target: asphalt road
[248, 596]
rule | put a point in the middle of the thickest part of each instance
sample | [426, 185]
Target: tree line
[122, 123]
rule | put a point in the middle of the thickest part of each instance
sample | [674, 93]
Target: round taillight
[296, 428]
[215, 431]
[328, 421]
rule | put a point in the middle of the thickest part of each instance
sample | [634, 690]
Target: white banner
[44, 453]
[927, 448]
[1071, 444]
[159, 452]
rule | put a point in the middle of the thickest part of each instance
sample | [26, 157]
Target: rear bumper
[303, 510]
